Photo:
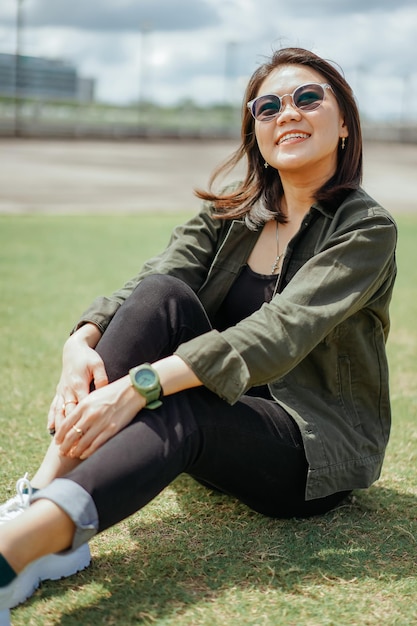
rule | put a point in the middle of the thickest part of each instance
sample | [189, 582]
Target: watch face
[145, 378]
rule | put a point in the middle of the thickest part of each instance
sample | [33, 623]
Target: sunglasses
[306, 97]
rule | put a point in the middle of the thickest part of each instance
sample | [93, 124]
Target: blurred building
[48, 79]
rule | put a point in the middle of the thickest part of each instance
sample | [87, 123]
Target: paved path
[66, 177]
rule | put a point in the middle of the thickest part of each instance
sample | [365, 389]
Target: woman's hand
[81, 365]
[104, 412]
[97, 418]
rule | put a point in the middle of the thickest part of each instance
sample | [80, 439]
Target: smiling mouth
[292, 136]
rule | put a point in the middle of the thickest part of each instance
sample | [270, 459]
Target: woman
[265, 322]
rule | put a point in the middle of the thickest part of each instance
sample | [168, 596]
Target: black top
[247, 294]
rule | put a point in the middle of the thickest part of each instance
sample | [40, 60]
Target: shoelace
[19, 502]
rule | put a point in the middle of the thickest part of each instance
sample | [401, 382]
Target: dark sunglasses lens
[308, 97]
[266, 107]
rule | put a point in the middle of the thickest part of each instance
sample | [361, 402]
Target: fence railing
[34, 118]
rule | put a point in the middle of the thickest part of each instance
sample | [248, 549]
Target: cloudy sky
[171, 50]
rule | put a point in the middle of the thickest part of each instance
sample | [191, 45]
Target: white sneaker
[5, 617]
[56, 566]
[21, 588]
[49, 567]
[16, 505]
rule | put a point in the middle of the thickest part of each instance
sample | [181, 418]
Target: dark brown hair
[265, 184]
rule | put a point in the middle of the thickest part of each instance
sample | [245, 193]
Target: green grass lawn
[193, 558]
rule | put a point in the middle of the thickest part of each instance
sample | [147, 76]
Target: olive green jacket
[320, 342]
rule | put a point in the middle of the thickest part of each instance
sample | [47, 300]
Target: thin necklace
[279, 256]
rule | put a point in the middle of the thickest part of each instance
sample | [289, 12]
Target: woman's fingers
[98, 417]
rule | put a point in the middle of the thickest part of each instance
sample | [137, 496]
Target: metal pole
[17, 71]
[143, 70]
[229, 71]
[229, 82]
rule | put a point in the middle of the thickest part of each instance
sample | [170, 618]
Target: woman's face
[300, 142]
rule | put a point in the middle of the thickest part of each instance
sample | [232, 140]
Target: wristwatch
[145, 380]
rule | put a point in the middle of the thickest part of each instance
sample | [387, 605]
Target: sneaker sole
[50, 567]
[56, 566]
[25, 585]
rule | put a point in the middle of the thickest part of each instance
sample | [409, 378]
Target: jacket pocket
[346, 391]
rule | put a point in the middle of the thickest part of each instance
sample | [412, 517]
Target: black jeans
[252, 450]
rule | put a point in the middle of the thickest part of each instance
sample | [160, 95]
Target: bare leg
[53, 466]
[42, 529]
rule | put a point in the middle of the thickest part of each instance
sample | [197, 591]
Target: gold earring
[343, 143]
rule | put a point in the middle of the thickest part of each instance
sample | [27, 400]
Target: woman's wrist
[88, 333]
[175, 375]
[130, 394]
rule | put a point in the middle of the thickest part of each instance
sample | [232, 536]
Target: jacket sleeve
[187, 256]
[353, 264]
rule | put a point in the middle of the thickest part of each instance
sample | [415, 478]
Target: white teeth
[293, 136]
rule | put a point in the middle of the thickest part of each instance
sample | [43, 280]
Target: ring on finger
[64, 406]
[78, 430]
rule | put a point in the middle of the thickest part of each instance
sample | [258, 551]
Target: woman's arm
[353, 264]
[188, 256]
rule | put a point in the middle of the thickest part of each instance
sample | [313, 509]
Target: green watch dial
[146, 381]
[145, 378]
